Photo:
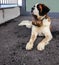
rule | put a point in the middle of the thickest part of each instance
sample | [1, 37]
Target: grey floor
[14, 38]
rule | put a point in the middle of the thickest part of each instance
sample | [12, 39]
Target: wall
[52, 4]
[8, 14]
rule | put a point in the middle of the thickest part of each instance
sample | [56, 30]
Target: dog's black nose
[32, 9]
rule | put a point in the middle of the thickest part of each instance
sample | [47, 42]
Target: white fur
[35, 11]
[27, 23]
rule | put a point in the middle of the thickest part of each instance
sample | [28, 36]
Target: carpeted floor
[14, 38]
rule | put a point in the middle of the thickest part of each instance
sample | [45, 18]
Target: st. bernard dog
[40, 26]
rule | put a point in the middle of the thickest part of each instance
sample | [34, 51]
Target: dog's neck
[45, 17]
[40, 19]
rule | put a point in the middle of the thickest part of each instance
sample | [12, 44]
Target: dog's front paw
[29, 46]
[41, 46]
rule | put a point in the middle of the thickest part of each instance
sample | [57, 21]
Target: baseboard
[51, 14]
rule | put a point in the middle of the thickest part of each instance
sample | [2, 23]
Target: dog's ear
[42, 9]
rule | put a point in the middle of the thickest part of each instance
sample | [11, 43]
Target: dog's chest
[44, 27]
[46, 22]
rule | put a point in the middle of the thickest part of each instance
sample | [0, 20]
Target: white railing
[10, 3]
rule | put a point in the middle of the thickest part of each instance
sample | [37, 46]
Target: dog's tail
[27, 23]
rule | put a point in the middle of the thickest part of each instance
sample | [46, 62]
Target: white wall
[8, 14]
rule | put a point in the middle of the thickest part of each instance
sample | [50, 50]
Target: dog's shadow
[55, 34]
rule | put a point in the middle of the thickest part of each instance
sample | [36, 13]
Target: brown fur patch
[33, 37]
[48, 18]
[37, 23]
[40, 6]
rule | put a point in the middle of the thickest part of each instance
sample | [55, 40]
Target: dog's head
[39, 10]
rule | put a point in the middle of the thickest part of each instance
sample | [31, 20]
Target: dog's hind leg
[45, 41]
[33, 37]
